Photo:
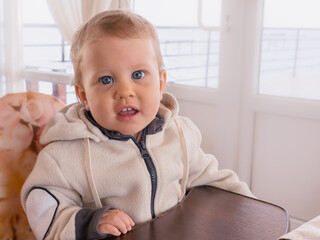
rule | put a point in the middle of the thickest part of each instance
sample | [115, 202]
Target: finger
[118, 219]
[127, 220]
[131, 222]
[117, 213]
[109, 229]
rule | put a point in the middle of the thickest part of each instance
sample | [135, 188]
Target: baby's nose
[124, 91]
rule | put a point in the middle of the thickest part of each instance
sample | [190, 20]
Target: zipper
[143, 150]
[151, 169]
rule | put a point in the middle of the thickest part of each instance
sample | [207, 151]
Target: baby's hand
[115, 222]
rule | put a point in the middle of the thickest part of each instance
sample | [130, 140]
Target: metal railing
[197, 51]
[191, 55]
[291, 50]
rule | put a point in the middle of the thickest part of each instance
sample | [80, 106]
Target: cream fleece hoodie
[81, 173]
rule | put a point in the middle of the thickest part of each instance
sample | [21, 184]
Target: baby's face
[121, 83]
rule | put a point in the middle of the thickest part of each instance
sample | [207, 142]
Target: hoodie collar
[154, 127]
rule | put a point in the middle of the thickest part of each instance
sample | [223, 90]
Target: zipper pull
[143, 145]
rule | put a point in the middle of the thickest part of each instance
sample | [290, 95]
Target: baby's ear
[163, 80]
[81, 93]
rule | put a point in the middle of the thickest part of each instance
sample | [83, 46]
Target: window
[44, 52]
[290, 51]
[191, 54]
[43, 46]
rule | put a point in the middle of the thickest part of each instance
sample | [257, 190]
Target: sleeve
[308, 231]
[54, 208]
[203, 168]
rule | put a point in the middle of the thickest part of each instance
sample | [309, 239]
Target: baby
[122, 155]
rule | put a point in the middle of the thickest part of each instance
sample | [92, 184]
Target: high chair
[208, 213]
[22, 118]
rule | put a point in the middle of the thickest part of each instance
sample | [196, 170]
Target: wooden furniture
[212, 213]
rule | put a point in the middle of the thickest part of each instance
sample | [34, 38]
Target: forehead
[107, 46]
[107, 38]
[110, 55]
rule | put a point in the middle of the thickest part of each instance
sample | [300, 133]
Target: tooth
[129, 109]
[124, 110]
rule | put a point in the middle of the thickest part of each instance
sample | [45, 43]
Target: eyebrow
[139, 66]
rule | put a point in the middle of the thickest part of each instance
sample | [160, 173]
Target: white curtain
[2, 76]
[10, 47]
[70, 14]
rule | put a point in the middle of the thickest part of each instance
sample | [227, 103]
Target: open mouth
[127, 112]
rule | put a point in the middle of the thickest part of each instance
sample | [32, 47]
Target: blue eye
[138, 74]
[106, 80]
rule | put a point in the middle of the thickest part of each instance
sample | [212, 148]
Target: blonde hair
[118, 23]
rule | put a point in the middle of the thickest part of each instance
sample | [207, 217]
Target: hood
[71, 123]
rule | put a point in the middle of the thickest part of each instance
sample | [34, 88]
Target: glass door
[290, 51]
